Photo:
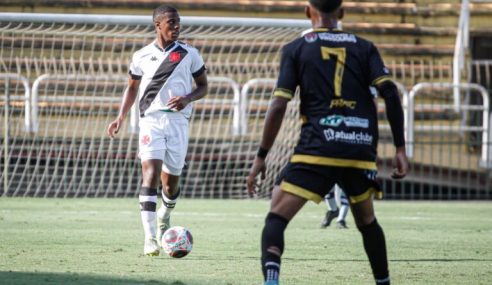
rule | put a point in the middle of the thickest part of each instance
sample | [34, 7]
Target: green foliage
[100, 241]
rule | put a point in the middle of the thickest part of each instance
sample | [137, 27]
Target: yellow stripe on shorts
[301, 192]
[366, 195]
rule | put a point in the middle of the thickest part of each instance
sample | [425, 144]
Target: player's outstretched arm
[178, 103]
[273, 122]
[394, 112]
[128, 99]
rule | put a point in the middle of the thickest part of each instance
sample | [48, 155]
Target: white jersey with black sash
[165, 73]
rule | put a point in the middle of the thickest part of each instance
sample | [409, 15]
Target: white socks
[148, 204]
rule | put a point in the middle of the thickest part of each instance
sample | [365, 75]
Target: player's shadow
[45, 278]
[328, 259]
[441, 260]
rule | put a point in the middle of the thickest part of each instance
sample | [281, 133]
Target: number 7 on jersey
[339, 54]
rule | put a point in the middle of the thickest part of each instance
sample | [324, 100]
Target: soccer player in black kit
[338, 141]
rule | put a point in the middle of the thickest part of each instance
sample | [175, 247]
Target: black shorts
[313, 182]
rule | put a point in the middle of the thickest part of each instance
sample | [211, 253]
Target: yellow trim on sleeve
[301, 192]
[366, 195]
[285, 93]
[329, 161]
[381, 79]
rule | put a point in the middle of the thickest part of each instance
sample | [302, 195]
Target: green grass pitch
[100, 241]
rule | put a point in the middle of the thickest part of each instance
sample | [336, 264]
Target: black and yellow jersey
[333, 70]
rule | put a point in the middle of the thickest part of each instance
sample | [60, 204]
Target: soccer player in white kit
[162, 75]
[334, 211]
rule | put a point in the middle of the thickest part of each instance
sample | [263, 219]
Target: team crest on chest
[311, 37]
[174, 56]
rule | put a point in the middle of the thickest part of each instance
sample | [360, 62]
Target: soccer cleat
[151, 248]
[341, 225]
[330, 215]
[271, 282]
[162, 226]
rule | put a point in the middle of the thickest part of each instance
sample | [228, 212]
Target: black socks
[375, 246]
[272, 236]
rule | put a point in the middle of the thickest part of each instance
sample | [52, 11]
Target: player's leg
[298, 183]
[332, 211]
[373, 239]
[174, 161]
[344, 208]
[151, 153]
[361, 186]
[169, 195]
[148, 201]
[284, 206]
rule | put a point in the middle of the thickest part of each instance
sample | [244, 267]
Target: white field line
[221, 216]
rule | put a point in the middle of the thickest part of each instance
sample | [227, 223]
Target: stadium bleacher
[405, 31]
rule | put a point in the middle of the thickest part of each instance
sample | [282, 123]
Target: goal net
[61, 82]
[54, 141]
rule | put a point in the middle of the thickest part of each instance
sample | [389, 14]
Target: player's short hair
[326, 6]
[159, 11]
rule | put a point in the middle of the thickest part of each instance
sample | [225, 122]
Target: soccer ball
[177, 242]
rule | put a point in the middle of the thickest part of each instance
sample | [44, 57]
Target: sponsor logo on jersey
[340, 103]
[348, 137]
[174, 56]
[154, 58]
[331, 121]
[311, 37]
[337, 37]
[336, 120]
[329, 134]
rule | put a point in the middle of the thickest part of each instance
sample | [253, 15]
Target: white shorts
[164, 136]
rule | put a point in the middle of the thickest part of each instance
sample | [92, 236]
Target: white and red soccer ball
[177, 242]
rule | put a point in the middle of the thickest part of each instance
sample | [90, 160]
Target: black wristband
[262, 152]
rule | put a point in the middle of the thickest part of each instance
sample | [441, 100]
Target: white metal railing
[34, 127]
[238, 102]
[26, 98]
[410, 138]
[460, 48]
[246, 89]
[6, 135]
[238, 126]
